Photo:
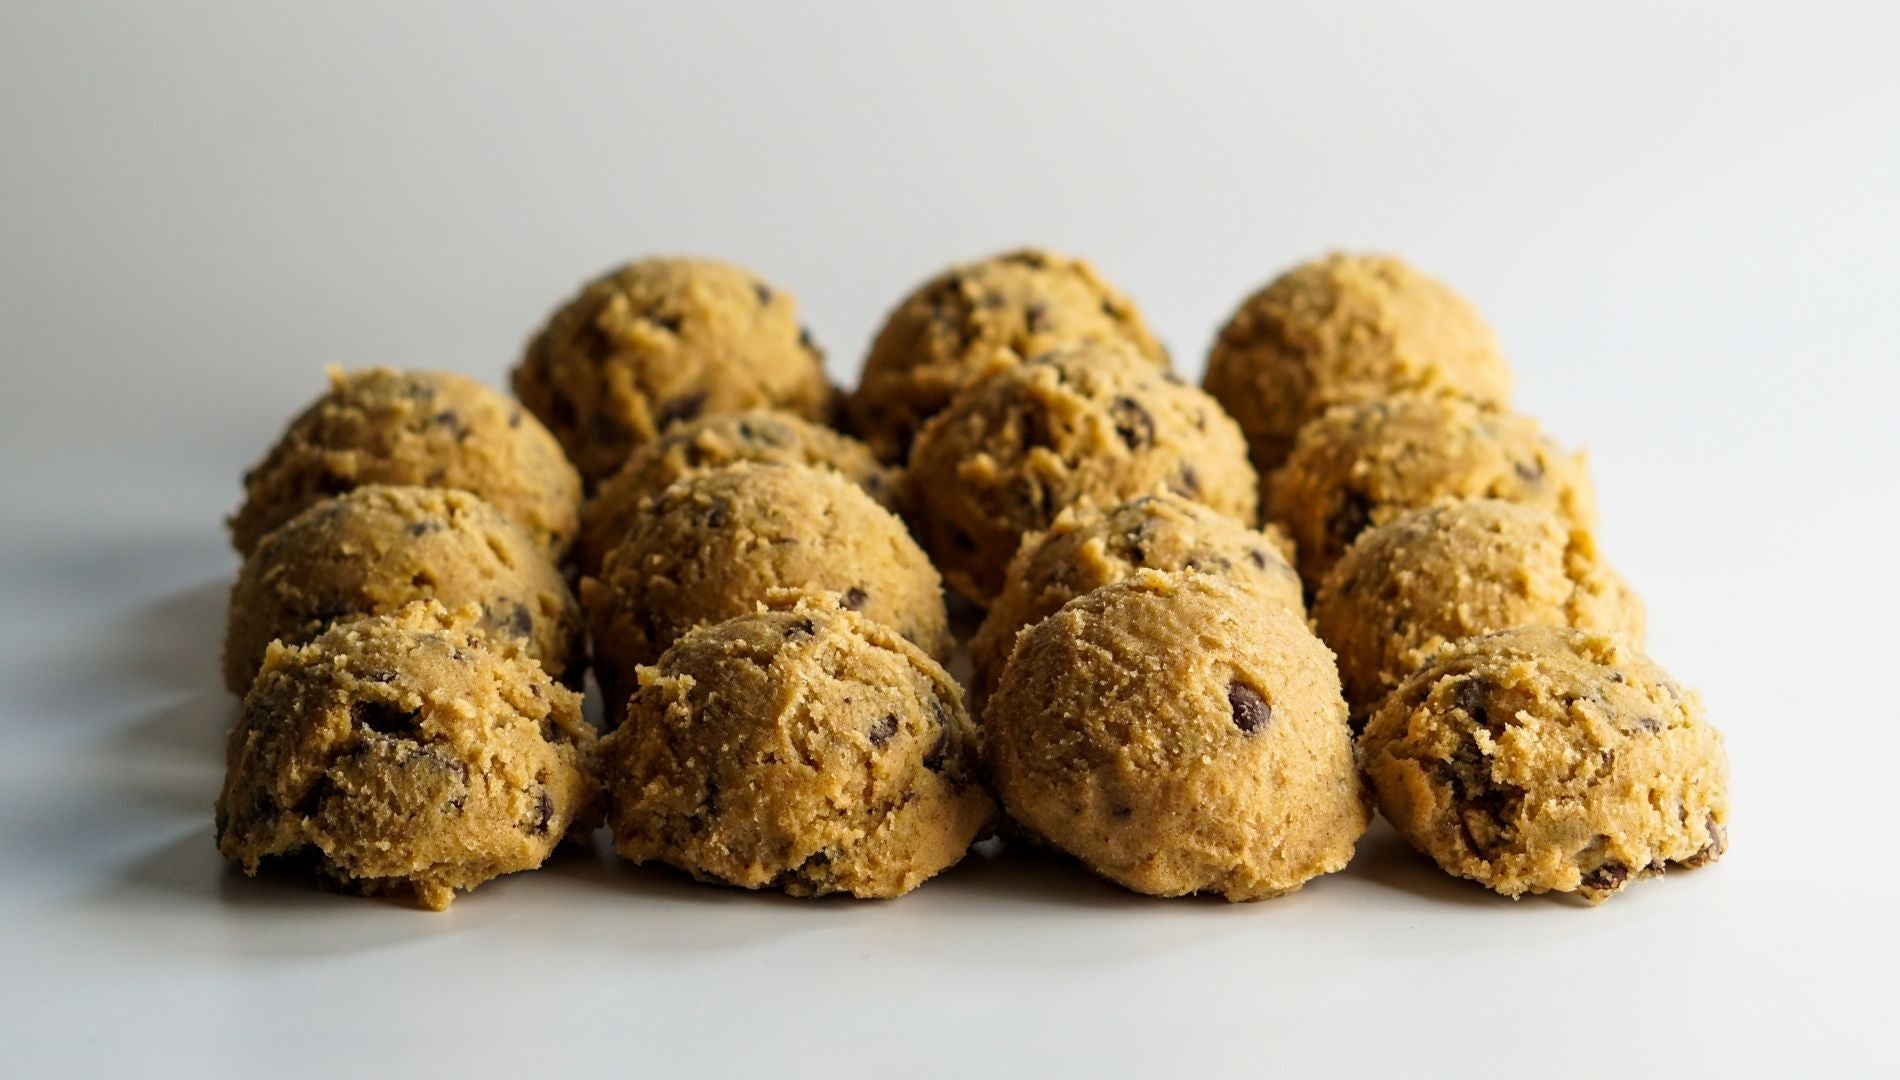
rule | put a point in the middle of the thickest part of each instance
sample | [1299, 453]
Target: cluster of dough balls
[1219, 624]
[1509, 726]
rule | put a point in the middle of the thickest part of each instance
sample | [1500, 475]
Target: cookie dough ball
[710, 442]
[971, 321]
[810, 750]
[1407, 588]
[1546, 759]
[1346, 328]
[1097, 424]
[716, 544]
[377, 549]
[1363, 465]
[663, 340]
[408, 754]
[1178, 735]
[1088, 549]
[423, 428]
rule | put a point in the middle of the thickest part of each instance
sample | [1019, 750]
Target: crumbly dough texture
[1546, 759]
[377, 549]
[709, 442]
[406, 754]
[1346, 328]
[1095, 425]
[971, 321]
[1178, 735]
[662, 340]
[1087, 549]
[1407, 588]
[716, 544]
[1363, 465]
[423, 428]
[806, 749]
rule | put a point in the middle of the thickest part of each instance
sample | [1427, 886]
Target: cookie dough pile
[427, 562]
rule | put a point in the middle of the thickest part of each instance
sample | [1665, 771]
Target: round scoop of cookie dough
[709, 442]
[409, 754]
[810, 750]
[716, 544]
[1087, 549]
[1363, 465]
[663, 340]
[424, 428]
[377, 549]
[1546, 759]
[973, 320]
[1408, 587]
[1346, 328]
[1179, 735]
[1097, 424]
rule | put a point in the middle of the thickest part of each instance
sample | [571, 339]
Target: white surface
[1681, 218]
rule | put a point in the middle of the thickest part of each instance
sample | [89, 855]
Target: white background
[1681, 218]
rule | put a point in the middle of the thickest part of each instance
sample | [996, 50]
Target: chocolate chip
[543, 812]
[514, 418]
[684, 407]
[763, 291]
[424, 528]
[1258, 558]
[1036, 317]
[1349, 519]
[801, 628]
[522, 623]
[1606, 877]
[1172, 379]
[452, 420]
[1530, 471]
[718, 514]
[1251, 711]
[853, 599]
[385, 717]
[1470, 697]
[1133, 423]
[1650, 724]
[805, 341]
[669, 323]
[377, 676]
[1190, 481]
[882, 731]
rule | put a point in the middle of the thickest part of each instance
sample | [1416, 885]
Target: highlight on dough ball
[761, 435]
[1364, 464]
[1346, 328]
[1547, 759]
[661, 340]
[406, 754]
[1088, 548]
[374, 550]
[426, 428]
[716, 544]
[978, 318]
[1406, 589]
[804, 748]
[1095, 423]
[1178, 735]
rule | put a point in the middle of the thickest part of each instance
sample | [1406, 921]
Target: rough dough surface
[1085, 550]
[1549, 760]
[973, 320]
[716, 544]
[377, 549]
[406, 754]
[663, 340]
[1409, 587]
[1094, 425]
[810, 750]
[712, 441]
[1363, 465]
[1178, 735]
[1346, 328]
[423, 428]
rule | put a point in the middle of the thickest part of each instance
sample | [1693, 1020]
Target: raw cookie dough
[971, 321]
[810, 750]
[1178, 735]
[1408, 587]
[427, 428]
[1085, 550]
[376, 549]
[717, 543]
[709, 442]
[1096, 424]
[1363, 465]
[1346, 328]
[408, 754]
[663, 340]
[1549, 760]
